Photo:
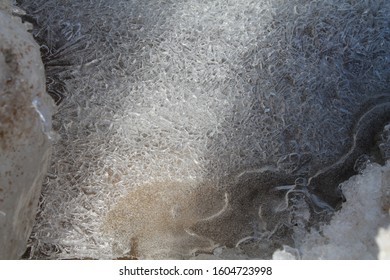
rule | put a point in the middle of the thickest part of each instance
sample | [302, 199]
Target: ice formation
[25, 132]
[360, 230]
[256, 104]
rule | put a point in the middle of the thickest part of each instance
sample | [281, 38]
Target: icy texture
[193, 93]
[158, 219]
[25, 132]
[384, 143]
[352, 231]
[5, 6]
[360, 230]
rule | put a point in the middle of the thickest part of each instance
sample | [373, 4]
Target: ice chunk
[25, 126]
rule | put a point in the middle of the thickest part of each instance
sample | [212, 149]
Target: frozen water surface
[190, 125]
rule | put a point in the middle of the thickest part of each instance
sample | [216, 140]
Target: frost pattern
[195, 91]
